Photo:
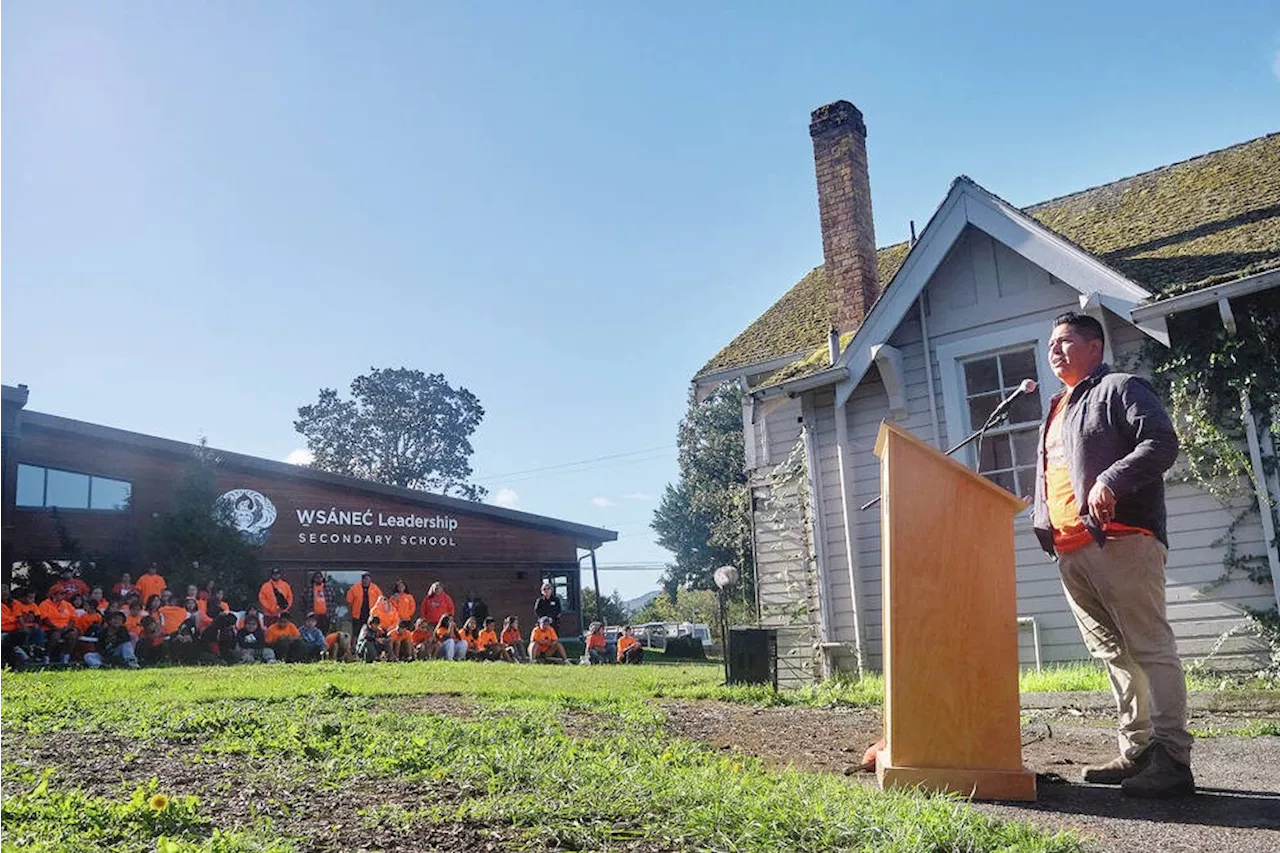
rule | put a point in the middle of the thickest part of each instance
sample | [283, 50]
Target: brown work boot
[1163, 777]
[1117, 769]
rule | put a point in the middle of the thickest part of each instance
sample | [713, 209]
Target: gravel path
[1237, 809]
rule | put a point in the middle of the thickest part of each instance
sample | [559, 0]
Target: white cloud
[301, 456]
[601, 501]
[637, 496]
[506, 497]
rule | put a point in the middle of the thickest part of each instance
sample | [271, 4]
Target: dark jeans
[635, 654]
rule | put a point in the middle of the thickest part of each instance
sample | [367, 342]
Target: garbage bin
[753, 656]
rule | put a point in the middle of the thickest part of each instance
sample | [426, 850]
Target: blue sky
[212, 210]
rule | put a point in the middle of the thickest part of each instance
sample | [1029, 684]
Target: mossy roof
[1202, 221]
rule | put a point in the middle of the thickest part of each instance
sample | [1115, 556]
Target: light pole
[726, 578]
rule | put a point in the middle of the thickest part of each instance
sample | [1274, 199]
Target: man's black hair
[1087, 326]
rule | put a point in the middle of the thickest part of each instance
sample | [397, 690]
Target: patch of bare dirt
[1237, 809]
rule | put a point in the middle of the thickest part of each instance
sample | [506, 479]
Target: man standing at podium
[1104, 447]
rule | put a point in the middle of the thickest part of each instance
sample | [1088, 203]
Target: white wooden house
[933, 333]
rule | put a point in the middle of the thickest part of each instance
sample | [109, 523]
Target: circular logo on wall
[252, 513]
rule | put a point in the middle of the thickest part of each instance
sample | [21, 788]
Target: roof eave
[793, 387]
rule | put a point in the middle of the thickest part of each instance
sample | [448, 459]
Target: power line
[491, 477]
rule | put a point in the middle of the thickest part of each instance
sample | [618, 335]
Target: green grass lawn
[416, 756]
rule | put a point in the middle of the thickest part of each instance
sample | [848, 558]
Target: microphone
[1027, 386]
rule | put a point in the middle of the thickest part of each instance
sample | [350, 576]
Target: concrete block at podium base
[1019, 785]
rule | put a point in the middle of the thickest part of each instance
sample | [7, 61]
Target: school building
[102, 487]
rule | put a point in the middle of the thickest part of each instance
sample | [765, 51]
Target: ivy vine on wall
[1204, 376]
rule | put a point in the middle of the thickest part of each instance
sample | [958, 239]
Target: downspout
[1255, 458]
[844, 456]
[928, 373]
[811, 461]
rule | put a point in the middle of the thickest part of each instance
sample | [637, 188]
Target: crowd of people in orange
[144, 622]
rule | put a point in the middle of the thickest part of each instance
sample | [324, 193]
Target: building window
[565, 585]
[51, 487]
[1008, 455]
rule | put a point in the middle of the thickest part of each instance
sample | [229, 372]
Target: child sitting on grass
[595, 644]
[423, 639]
[311, 643]
[338, 646]
[629, 648]
[283, 637]
[452, 646]
[489, 647]
[372, 642]
[511, 639]
[150, 643]
[544, 643]
[251, 641]
[115, 643]
[400, 641]
[468, 632]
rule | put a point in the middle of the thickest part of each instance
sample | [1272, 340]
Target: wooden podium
[950, 626]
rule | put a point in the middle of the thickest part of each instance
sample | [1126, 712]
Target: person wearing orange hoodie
[150, 583]
[275, 596]
[58, 618]
[321, 600]
[360, 599]
[388, 616]
[403, 600]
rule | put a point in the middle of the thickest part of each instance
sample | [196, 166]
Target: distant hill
[634, 604]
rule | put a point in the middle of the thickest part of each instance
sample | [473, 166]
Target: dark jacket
[1116, 432]
[548, 607]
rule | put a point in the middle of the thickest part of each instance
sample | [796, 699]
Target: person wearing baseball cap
[544, 643]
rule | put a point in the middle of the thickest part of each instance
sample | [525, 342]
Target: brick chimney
[844, 204]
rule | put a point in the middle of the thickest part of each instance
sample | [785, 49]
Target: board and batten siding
[983, 291]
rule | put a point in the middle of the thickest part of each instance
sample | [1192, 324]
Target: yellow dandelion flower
[159, 802]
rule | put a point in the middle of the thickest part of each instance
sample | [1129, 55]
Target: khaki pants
[1118, 597]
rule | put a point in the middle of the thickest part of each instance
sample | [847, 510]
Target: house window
[51, 487]
[1008, 456]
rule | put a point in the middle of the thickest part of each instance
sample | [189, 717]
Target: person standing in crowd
[321, 600]
[70, 582]
[437, 603]
[548, 605]
[474, 608]
[1105, 445]
[403, 601]
[360, 599]
[629, 648]
[151, 583]
[123, 588]
[275, 596]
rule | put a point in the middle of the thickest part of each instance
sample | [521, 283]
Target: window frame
[88, 507]
[951, 359]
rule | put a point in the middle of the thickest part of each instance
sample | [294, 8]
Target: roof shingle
[1213, 218]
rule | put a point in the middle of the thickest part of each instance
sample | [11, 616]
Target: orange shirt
[149, 585]
[595, 641]
[487, 638]
[544, 638]
[468, 637]
[331, 639]
[87, 620]
[58, 615]
[21, 608]
[319, 604]
[624, 643]
[134, 623]
[404, 604]
[418, 637]
[442, 634]
[387, 614]
[399, 634]
[8, 618]
[1069, 531]
[267, 597]
[353, 600]
[511, 637]
[281, 630]
[171, 619]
